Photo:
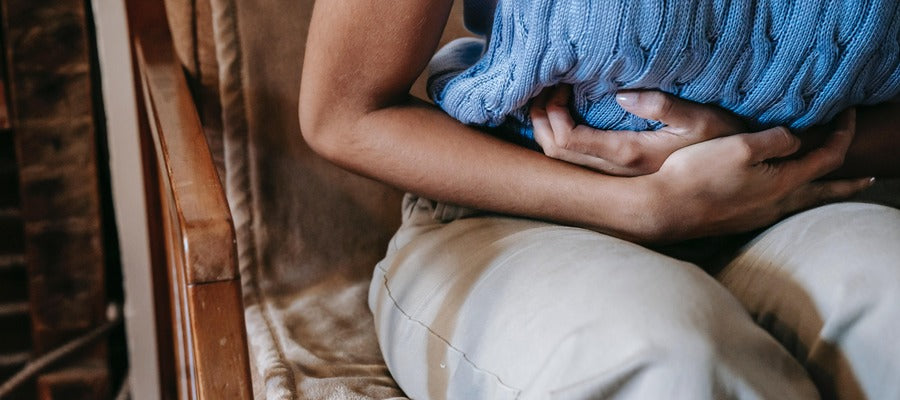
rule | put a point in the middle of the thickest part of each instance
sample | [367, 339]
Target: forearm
[876, 147]
[418, 148]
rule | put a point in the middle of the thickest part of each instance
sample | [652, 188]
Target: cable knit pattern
[777, 62]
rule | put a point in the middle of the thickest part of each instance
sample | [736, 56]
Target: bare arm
[362, 57]
[361, 60]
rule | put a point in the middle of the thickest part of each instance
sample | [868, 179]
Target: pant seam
[428, 329]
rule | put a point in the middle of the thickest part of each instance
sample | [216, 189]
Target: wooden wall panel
[15, 337]
[48, 61]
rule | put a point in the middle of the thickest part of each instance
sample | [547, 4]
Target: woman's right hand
[741, 182]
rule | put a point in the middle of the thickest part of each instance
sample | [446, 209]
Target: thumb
[682, 116]
[768, 144]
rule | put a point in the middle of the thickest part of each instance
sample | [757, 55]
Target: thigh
[496, 307]
[826, 283]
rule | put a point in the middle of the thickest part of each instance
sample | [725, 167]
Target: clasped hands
[706, 173]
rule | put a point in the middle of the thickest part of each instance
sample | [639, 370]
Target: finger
[771, 143]
[831, 155]
[543, 131]
[623, 147]
[618, 152]
[605, 166]
[545, 136]
[820, 193]
[540, 101]
[619, 147]
[558, 109]
[698, 121]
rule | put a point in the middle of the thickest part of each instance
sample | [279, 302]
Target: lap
[501, 300]
[495, 302]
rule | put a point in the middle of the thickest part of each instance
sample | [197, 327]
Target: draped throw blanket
[776, 62]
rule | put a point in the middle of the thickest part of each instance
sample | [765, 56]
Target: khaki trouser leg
[473, 306]
[826, 283]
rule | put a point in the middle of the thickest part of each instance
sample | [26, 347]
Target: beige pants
[475, 306]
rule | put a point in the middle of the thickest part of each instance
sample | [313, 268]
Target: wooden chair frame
[197, 288]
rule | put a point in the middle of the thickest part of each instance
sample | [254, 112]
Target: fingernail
[627, 98]
[871, 181]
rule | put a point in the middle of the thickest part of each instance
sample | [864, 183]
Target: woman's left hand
[627, 153]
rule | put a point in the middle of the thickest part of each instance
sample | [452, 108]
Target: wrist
[653, 220]
[640, 214]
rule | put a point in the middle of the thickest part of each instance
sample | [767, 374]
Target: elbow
[332, 123]
[320, 129]
[311, 121]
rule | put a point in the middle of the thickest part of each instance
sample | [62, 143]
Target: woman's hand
[738, 183]
[626, 153]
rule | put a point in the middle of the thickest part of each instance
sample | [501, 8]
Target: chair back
[310, 219]
[308, 233]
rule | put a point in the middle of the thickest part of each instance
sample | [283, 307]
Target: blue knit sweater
[775, 62]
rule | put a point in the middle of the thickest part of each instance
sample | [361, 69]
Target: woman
[474, 304]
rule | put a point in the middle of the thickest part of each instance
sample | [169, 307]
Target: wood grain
[190, 173]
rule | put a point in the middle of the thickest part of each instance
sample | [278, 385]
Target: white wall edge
[127, 182]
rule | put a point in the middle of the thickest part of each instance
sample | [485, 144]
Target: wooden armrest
[206, 314]
[190, 174]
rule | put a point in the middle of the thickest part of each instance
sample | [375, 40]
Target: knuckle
[658, 104]
[742, 149]
[552, 151]
[833, 160]
[787, 137]
[835, 191]
[563, 140]
[824, 194]
[818, 193]
[542, 137]
[840, 157]
[712, 123]
[548, 146]
[630, 155]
